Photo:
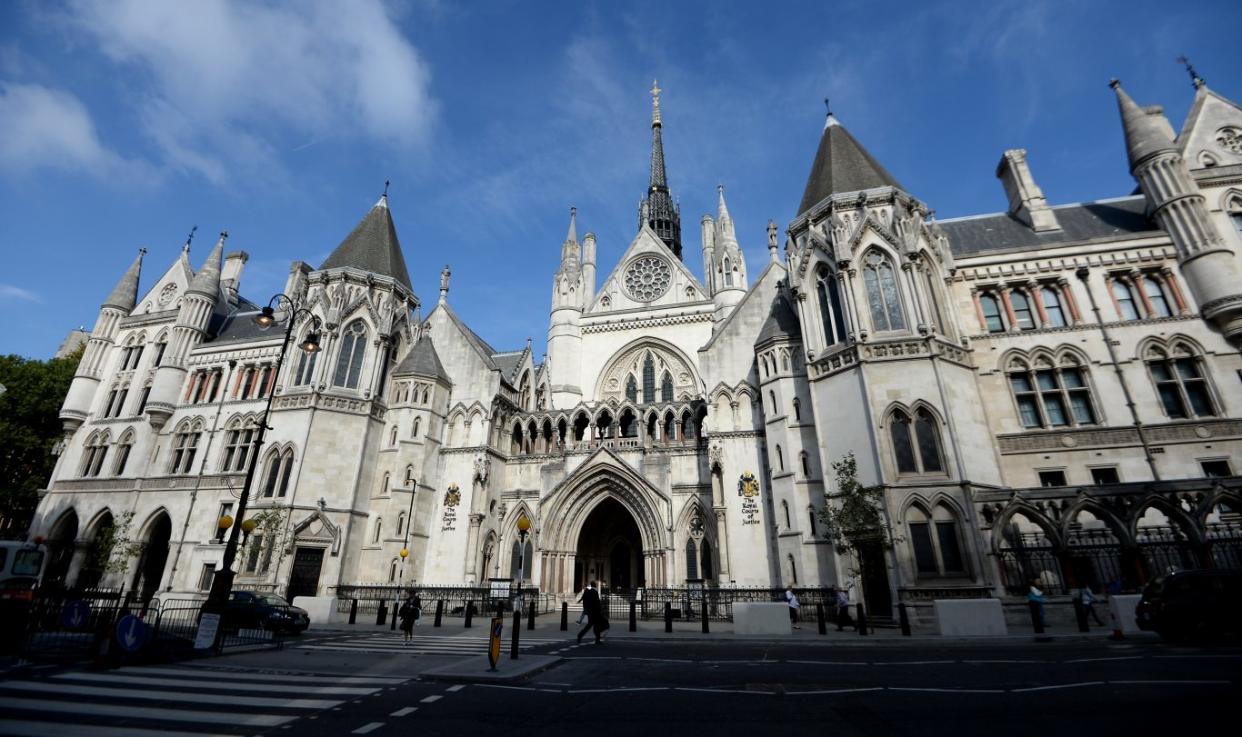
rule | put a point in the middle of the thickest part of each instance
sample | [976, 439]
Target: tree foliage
[854, 515]
[113, 547]
[30, 428]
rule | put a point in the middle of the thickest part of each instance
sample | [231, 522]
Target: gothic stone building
[1049, 392]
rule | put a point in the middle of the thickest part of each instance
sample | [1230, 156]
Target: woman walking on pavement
[794, 605]
[408, 613]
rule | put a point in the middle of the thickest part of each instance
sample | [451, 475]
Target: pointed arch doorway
[610, 549]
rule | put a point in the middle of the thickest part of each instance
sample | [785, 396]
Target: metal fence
[688, 603]
[370, 598]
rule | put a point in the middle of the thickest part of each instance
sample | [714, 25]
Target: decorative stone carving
[648, 278]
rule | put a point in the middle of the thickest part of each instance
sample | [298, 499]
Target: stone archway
[150, 568]
[61, 543]
[610, 549]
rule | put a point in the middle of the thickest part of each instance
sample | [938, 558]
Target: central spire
[658, 209]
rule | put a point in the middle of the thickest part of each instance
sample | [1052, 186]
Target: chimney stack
[230, 275]
[1026, 200]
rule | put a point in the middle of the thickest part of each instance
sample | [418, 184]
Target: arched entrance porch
[150, 569]
[610, 550]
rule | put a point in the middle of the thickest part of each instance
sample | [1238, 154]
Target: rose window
[648, 278]
[1230, 139]
[167, 293]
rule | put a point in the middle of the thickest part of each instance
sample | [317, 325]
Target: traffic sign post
[131, 633]
[208, 629]
[76, 614]
[493, 642]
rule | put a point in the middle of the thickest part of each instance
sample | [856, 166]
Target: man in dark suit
[591, 607]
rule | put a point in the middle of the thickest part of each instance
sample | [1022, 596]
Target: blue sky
[124, 122]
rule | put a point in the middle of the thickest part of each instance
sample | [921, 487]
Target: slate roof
[1079, 222]
[422, 360]
[842, 165]
[782, 322]
[373, 246]
[509, 363]
[238, 325]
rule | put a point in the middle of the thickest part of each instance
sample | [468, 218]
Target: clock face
[647, 278]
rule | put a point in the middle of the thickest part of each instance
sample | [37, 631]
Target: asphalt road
[342, 685]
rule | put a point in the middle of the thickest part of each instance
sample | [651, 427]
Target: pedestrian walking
[1036, 596]
[794, 605]
[418, 609]
[843, 610]
[408, 613]
[1087, 597]
[583, 615]
[591, 606]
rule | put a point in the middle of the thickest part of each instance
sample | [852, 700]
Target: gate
[304, 578]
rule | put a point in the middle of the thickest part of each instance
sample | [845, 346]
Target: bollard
[1080, 613]
[353, 611]
[517, 633]
[530, 616]
[668, 616]
[703, 607]
[633, 617]
[469, 612]
[823, 621]
[862, 620]
[381, 614]
[904, 617]
[1036, 620]
[395, 608]
[439, 611]
[564, 616]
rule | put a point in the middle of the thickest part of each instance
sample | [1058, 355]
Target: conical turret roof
[207, 280]
[1144, 133]
[373, 246]
[782, 322]
[422, 360]
[841, 165]
[125, 294]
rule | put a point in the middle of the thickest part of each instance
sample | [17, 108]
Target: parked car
[1192, 604]
[254, 609]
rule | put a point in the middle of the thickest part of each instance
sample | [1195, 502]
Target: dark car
[1192, 604]
[256, 610]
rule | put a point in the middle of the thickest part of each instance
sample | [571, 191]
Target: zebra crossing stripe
[182, 696]
[143, 712]
[201, 672]
[219, 685]
[19, 728]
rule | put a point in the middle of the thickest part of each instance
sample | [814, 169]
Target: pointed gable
[842, 165]
[372, 246]
[1212, 134]
[682, 286]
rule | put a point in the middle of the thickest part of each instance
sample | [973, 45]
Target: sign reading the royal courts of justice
[748, 489]
[452, 498]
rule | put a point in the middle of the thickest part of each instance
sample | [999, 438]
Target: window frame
[900, 419]
[1031, 370]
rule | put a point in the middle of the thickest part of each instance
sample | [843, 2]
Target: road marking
[215, 685]
[41, 729]
[1173, 683]
[1228, 657]
[455, 689]
[616, 690]
[139, 712]
[973, 662]
[404, 712]
[368, 728]
[1101, 660]
[724, 690]
[913, 662]
[190, 697]
[198, 672]
[832, 691]
[948, 690]
[1063, 685]
[552, 683]
[507, 688]
[662, 660]
[431, 699]
[597, 657]
[828, 662]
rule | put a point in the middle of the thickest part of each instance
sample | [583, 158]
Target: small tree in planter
[111, 550]
[854, 516]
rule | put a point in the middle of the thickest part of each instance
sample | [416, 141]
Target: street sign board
[493, 642]
[77, 613]
[208, 626]
[500, 588]
[131, 633]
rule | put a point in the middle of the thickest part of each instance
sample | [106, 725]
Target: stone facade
[1047, 393]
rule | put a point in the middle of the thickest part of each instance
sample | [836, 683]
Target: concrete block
[320, 609]
[970, 617]
[756, 618]
[1121, 607]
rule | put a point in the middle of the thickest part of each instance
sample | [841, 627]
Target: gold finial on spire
[655, 102]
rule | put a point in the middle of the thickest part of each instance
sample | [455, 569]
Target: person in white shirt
[583, 615]
[794, 605]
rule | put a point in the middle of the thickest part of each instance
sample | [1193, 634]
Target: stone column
[1171, 281]
[472, 540]
[1136, 283]
[1032, 288]
[722, 545]
[1067, 296]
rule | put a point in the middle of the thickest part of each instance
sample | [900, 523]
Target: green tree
[854, 516]
[30, 428]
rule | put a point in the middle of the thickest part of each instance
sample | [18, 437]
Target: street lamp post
[222, 584]
[523, 525]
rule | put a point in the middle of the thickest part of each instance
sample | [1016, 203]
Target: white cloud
[8, 291]
[233, 85]
[44, 127]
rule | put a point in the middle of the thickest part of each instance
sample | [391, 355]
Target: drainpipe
[1082, 274]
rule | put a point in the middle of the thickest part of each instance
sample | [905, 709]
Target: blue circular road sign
[76, 614]
[131, 633]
